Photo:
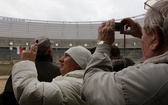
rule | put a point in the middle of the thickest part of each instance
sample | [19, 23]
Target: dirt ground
[2, 82]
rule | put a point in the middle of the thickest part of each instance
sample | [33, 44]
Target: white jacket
[63, 90]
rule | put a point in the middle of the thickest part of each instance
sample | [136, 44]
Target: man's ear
[156, 38]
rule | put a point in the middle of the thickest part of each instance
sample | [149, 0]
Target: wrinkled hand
[135, 28]
[106, 32]
[30, 53]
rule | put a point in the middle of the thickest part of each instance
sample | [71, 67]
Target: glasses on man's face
[149, 3]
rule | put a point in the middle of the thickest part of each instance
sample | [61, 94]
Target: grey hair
[157, 16]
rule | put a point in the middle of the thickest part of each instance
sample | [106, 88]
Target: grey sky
[71, 10]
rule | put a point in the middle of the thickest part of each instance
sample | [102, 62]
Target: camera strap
[124, 43]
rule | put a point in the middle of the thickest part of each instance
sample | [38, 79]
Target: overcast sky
[71, 10]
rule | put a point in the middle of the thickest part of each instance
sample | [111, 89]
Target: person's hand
[106, 32]
[135, 29]
[30, 53]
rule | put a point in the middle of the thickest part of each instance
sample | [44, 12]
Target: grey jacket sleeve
[100, 86]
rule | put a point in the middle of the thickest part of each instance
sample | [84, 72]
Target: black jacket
[121, 63]
[46, 72]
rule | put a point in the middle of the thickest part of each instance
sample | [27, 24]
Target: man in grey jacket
[63, 90]
[142, 84]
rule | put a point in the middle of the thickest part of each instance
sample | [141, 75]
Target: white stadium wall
[19, 32]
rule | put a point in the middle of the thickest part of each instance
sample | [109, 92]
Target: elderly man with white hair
[142, 84]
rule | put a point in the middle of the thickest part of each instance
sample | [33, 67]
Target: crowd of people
[98, 77]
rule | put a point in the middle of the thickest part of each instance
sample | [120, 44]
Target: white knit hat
[80, 55]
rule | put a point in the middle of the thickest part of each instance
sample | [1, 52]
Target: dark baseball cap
[43, 43]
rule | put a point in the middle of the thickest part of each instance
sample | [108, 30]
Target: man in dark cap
[44, 58]
[45, 68]
[119, 62]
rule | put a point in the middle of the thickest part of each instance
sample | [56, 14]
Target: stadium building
[17, 33]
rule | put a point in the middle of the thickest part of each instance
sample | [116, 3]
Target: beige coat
[142, 84]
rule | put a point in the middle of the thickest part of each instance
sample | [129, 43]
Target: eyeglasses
[149, 3]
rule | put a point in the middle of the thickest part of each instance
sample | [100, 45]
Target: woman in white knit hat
[62, 90]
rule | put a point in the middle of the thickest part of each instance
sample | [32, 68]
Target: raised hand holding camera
[106, 32]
